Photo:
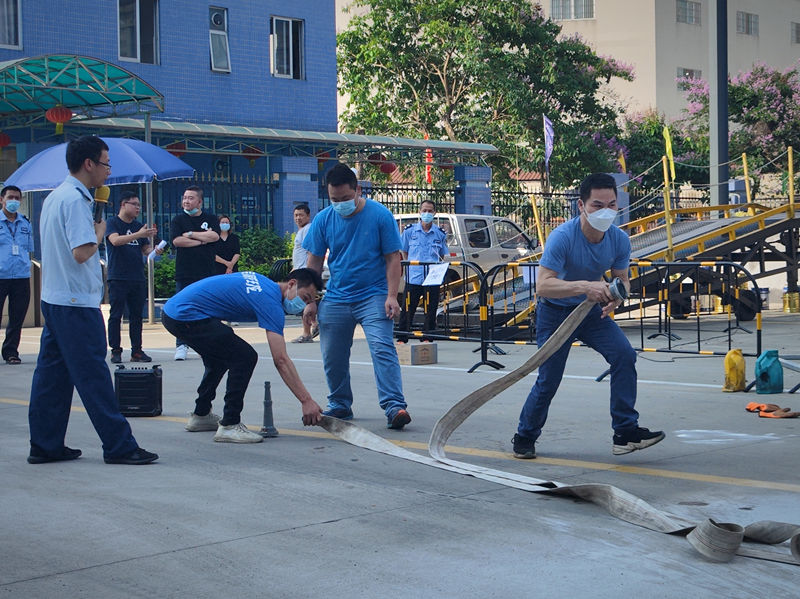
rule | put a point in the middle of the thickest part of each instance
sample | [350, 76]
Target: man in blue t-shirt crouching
[195, 315]
[576, 256]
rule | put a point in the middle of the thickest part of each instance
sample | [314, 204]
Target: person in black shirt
[193, 234]
[128, 241]
[227, 248]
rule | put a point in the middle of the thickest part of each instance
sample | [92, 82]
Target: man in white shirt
[302, 218]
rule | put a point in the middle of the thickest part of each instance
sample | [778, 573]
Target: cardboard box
[417, 353]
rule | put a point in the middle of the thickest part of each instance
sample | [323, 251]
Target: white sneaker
[180, 353]
[196, 423]
[236, 433]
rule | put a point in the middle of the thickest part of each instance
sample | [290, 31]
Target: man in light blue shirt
[16, 247]
[72, 353]
[363, 247]
[422, 242]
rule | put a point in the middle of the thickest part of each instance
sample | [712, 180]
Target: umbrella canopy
[132, 161]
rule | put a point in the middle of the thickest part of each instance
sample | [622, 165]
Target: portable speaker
[138, 390]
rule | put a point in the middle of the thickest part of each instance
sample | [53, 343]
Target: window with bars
[796, 33]
[10, 24]
[688, 12]
[747, 23]
[287, 43]
[566, 10]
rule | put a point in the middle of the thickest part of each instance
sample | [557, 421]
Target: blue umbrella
[132, 161]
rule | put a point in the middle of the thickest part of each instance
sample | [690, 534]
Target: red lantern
[59, 115]
[388, 168]
[5, 140]
[252, 153]
[376, 158]
[177, 148]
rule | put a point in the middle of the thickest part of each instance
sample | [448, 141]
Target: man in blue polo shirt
[72, 351]
[195, 314]
[363, 247]
[424, 242]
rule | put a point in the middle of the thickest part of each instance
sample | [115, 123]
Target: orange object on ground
[770, 410]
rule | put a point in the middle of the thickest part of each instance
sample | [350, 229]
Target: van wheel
[450, 277]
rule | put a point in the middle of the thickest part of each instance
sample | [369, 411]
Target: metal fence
[402, 199]
[553, 208]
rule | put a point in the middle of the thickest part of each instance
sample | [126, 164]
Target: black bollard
[268, 428]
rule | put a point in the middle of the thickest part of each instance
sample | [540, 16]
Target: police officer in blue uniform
[425, 242]
[16, 246]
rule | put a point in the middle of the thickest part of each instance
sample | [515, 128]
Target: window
[796, 33]
[10, 24]
[138, 30]
[218, 39]
[688, 12]
[565, 10]
[478, 233]
[684, 73]
[509, 236]
[286, 41]
[746, 23]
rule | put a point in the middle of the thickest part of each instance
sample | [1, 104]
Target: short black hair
[86, 146]
[303, 208]
[196, 188]
[597, 181]
[306, 277]
[8, 188]
[127, 195]
[221, 216]
[428, 201]
[341, 175]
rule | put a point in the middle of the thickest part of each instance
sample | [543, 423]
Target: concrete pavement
[305, 515]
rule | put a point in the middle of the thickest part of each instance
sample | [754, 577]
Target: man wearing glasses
[128, 240]
[72, 351]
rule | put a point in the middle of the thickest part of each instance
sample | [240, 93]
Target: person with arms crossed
[194, 234]
[72, 352]
[424, 242]
[195, 314]
[576, 256]
[16, 247]
[363, 247]
[128, 244]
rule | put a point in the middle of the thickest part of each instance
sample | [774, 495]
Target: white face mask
[601, 219]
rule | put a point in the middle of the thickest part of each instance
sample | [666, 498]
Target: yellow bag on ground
[734, 371]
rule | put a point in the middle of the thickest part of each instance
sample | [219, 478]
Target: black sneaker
[116, 356]
[523, 447]
[37, 457]
[140, 356]
[398, 420]
[137, 457]
[638, 438]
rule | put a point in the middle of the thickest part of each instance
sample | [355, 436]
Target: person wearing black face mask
[194, 233]
[16, 246]
[576, 256]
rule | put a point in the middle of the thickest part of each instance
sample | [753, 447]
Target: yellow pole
[750, 210]
[537, 220]
[791, 181]
[667, 209]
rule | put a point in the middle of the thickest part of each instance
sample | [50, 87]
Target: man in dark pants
[195, 314]
[193, 236]
[16, 246]
[72, 351]
[128, 241]
[423, 242]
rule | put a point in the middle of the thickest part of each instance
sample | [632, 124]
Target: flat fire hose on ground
[716, 541]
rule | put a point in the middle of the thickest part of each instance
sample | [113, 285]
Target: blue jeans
[72, 354]
[337, 322]
[604, 336]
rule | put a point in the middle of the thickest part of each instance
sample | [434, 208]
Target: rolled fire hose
[716, 541]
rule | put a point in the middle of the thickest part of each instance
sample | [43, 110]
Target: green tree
[261, 247]
[478, 71]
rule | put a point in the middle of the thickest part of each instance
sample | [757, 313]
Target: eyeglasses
[134, 204]
[105, 164]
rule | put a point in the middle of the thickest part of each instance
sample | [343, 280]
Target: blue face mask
[426, 217]
[191, 212]
[12, 205]
[225, 226]
[295, 305]
[345, 208]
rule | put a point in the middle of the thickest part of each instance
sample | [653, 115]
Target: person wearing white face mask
[195, 314]
[16, 246]
[576, 256]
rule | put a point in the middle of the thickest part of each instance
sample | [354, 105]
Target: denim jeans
[337, 322]
[122, 294]
[604, 336]
[222, 351]
[72, 354]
